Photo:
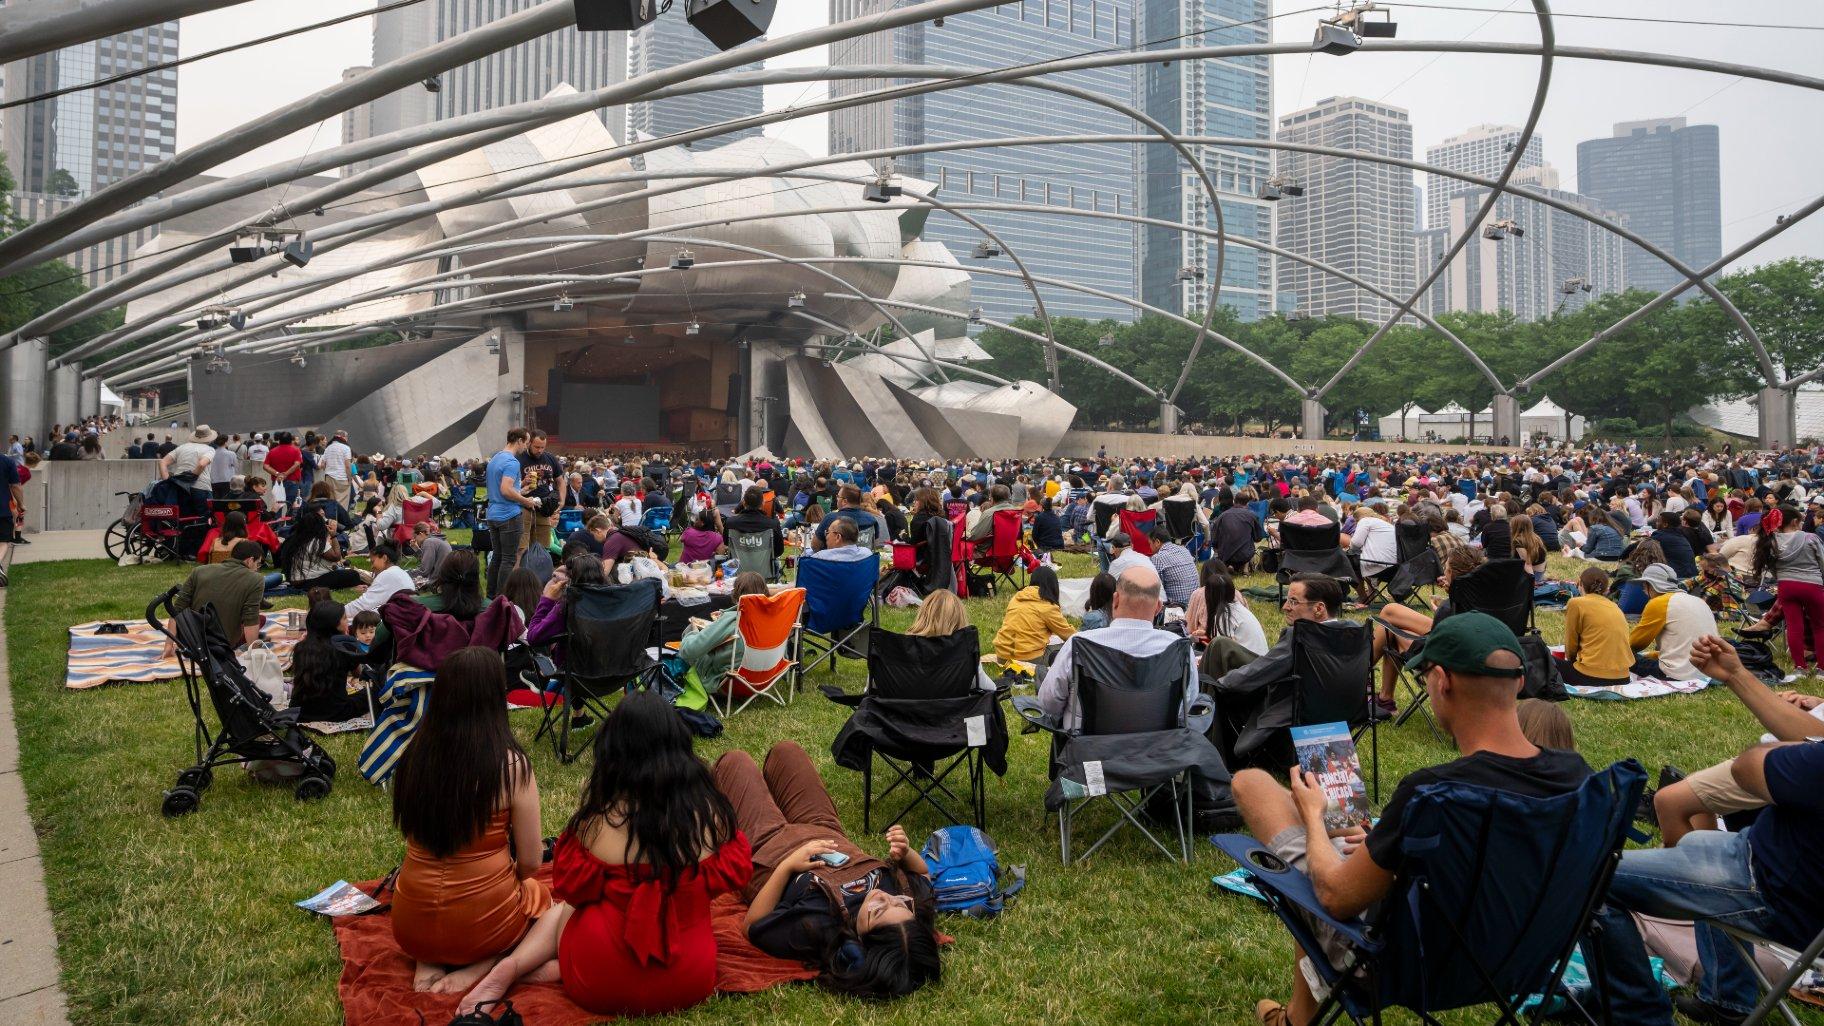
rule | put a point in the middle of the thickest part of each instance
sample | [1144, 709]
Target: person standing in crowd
[334, 464]
[542, 479]
[507, 508]
[196, 455]
[285, 462]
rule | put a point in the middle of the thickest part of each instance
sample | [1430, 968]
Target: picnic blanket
[1636, 687]
[376, 984]
[136, 656]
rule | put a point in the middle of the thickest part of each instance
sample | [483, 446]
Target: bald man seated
[1138, 599]
[1472, 667]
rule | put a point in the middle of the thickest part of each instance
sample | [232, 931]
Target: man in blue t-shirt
[1767, 879]
[506, 508]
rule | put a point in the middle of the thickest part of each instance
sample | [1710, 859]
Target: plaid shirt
[1076, 519]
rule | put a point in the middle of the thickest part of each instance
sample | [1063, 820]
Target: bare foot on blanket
[491, 987]
[426, 976]
[460, 980]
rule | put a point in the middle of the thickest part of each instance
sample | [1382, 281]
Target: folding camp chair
[656, 519]
[1492, 895]
[754, 551]
[610, 634]
[1418, 565]
[1140, 526]
[728, 496]
[1180, 519]
[940, 563]
[1004, 556]
[1309, 549]
[1502, 588]
[768, 625]
[923, 715]
[1131, 741]
[839, 605]
[1332, 677]
[1774, 992]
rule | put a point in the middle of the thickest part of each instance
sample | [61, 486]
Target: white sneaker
[1793, 678]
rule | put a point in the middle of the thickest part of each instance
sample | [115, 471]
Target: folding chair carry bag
[1180, 518]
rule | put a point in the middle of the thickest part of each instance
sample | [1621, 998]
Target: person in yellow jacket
[1032, 617]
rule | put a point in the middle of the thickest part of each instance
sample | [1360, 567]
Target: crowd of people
[1673, 546]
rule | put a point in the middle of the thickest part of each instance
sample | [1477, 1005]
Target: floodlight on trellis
[882, 188]
[683, 260]
[1190, 272]
[985, 251]
[795, 301]
[1572, 286]
[693, 328]
[1278, 186]
[975, 315]
[562, 302]
[1498, 230]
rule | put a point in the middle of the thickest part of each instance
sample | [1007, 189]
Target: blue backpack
[966, 872]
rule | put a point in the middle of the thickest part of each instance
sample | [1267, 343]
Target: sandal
[507, 1016]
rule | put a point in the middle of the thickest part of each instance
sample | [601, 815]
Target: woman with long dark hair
[1217, 611]
[651, 843]
[1098, 608]
[868, 924]
[309, 557]
[1794, 559]
[549, 617]
[466, 801]
[319, 671]
[1032, 617]
[456, 589]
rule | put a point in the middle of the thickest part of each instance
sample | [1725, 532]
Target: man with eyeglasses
[1245, 681]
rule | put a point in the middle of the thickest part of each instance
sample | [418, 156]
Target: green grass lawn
[191, 920]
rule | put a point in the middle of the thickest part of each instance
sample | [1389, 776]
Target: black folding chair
[610, 634]
[1309, 549]
[1502, 588]
[1331, 681]
[1180, 518]
[1129, 741]
[923, 715]
[1418, 565]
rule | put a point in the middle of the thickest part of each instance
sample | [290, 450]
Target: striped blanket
[399, 705]
[136, 656]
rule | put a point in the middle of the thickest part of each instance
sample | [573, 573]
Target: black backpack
[1757, 659]
[1542, 677]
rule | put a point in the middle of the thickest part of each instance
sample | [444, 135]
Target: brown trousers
[782, 807]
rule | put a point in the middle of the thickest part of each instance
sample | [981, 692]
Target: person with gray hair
[1138, 599]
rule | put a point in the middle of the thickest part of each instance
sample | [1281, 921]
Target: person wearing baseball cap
[1472, 667]
[1670, 624]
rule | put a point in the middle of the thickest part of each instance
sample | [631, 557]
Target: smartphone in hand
[832, 858]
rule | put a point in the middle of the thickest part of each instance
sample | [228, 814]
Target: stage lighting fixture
[208, 322]
[683, 260]
[729, 23]
[246, 249]
[1268, 191]
[433, 84]
[630, 341]
[1572, 286]
[562, 302]
[693, 328]
[615, 15]
[796, 300]
[1335, 39]
[298, 251]
[985, 251]
[1493, 231]
[237, 320]
[297, 360]
[493, 345]
[1501, 229]
[1190, 273]
[882, 189]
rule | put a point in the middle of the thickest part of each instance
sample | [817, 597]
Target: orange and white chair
[768, 625]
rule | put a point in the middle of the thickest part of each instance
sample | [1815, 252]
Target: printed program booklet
[1327, 750]
[340, 899]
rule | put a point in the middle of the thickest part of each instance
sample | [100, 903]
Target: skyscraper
[1355, 215]
[1666, 178]
[1482, 150]
[1097, 252]
[1560, 263]
[585, 60]
[666, 43]
[1230, 97]
[63, 149]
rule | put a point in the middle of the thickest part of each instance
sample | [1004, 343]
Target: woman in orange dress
[467, 802]
[651, 844]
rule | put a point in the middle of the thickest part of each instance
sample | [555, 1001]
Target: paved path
[49, 546]
[29, 991]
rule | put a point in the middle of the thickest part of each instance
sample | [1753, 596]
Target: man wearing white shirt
[257, 450]
[335, 464]
[1138, 600]
[389, 579]
[1122, 557]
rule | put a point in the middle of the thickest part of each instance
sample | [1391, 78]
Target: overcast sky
[1771, 148]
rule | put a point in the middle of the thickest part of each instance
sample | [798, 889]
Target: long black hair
[887, 961]
[1046, 580]
[317, 669]
[1102, 593]
[463, 761]
[1218, 599]
[458, 584]
[648, 779]
[308, 527]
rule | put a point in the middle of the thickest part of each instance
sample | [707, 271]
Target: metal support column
[61, 394]
[1507, 420]
[22, 384]
[1168, 417]
[1311, 420]
[1779, 423]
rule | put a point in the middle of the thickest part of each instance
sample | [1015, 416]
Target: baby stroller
[250, 728]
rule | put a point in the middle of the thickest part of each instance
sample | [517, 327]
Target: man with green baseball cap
[1472, 668]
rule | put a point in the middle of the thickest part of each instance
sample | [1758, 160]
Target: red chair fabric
[411, 512]
[1139, 524]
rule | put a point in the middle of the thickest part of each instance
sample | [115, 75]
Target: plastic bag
[903, 597]
[263, 669]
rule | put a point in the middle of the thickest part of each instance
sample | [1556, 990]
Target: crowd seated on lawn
[653, 820]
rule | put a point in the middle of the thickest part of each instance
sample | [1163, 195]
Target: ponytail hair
[1771, 522]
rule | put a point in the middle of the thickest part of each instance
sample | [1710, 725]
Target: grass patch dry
[190, 920]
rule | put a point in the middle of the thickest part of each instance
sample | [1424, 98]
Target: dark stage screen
[593, 412]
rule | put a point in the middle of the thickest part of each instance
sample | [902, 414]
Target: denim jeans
[503, 536]
[1706, 877]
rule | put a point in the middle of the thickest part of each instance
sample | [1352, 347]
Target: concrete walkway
[50, 546]
[29, 992]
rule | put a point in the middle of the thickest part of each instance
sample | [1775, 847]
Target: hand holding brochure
[1328, 751]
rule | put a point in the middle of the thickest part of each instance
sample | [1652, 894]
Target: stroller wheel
[196, 778]
[181, 801]
[311, 788]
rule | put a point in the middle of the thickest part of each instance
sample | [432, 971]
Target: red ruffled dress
[630, 948]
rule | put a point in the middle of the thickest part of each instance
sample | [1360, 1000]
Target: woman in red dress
[634, 871]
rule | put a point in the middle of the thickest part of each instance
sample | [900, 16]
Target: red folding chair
[1005, 555]
[412, 512]
[1139, 525]
[768, 626]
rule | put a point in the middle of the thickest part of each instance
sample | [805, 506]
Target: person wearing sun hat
[1671, 622]
[1472, 668]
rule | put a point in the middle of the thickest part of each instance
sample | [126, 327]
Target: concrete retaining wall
[78, 495]
[1135, 443]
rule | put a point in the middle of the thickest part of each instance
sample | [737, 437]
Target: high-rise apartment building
[1097, 252]
[1230, 97]
[585, 60]
[1482, 150]
[666, 43]
[1355, 215]
[1560, 263]
[1666, 177]
[60, 150]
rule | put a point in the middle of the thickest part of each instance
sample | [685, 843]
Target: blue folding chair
[840, 604]
[656, 519]
[1493, 893]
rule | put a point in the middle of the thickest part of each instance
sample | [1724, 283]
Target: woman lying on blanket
[634, 870]
[817, 897]
[467, 802]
